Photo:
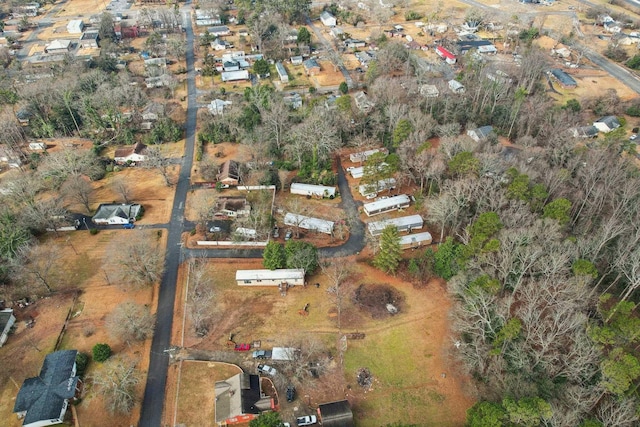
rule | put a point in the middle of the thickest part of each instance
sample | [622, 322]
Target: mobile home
[386, 205]
[369, 190]
[308, 223]
[292, 277]
[412, 241]
[313, 190]
[405, 223]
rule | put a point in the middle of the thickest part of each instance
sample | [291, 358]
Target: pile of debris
[365, 379]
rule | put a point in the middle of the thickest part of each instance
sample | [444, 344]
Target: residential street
[154, 394]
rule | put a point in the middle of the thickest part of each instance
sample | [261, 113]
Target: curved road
[154, 394]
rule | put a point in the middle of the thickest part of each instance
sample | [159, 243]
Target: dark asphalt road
[152, 405]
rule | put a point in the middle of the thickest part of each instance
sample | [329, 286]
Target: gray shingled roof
[43, 396]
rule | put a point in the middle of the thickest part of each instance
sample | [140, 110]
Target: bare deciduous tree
[117, 382]
[130, 322]
[338, 273]
[137, 259]
[122, 188]
[157, 161]
[78, 190]
[38, 264]
[200, 299]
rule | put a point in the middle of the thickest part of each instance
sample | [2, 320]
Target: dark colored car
[291, 393]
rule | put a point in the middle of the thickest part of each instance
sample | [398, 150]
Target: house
[23, 115]
[482, 46]
[309, 223]
[362, 101]
[282, 72]
[115, 213]
[7, 319]
[412, 241]
[612, 27]
[239, 399]
[405, 223]
[296, 60]
[158, 81]
[234, 76]
[481, 133]
[311, 67]
[217, 106]
[354, 43]
[429, 91]
[394, 32]
[319, 191]
[362, 156]
[294, 100]
[443, 53]
[292, 277]
[229, 173]
[133, 154]
[230, 66]
[585, 132]
[386, 205]
[565, 80]
[234, 207]
[336, 32]
[365, 57]
[455, 86]
[43, 400]
[372, 190]
[152, 111]
[330, 102]
[205, 17]
[219, 31]
[75, 26]
[328, 20]
[89, 40]
[27, 9]
[607, 124]
[336, 414]
[219, 44]
[57, 47]
[233, 56]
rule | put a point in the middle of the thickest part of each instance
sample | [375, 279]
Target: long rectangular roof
[312, 189]
[279, 274]
[386, 203]
[308, 223]
[415, 238]
[403, 221]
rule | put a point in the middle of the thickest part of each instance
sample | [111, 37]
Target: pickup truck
[262, 354]
[267, 370]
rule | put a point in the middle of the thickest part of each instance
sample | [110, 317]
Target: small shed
[89, 40]
[386, 205]
[309, 223]
[429, 91]
[328, 19]
[565, 80]
[296, 60]
[292, 277]
[405, 223]
[336, 414]
[320, 191]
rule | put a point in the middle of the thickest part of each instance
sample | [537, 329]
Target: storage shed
[292, 277]
[405, 223]
[328, 19]
[309, 223]
[336, 414]
[320, 191]
[386, 205]
[75, 26]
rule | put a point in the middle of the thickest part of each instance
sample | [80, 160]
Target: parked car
[307, 420]
[262, 354]
[276, 232]
[215, 229]
[291, 393]
[129, 226]
[633, 137]
[288, 235]
[267, 370]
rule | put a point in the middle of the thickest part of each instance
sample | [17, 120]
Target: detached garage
[291, 277]
[336, 414]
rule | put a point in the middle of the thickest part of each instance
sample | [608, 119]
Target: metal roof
[280, 274]
[386, 203]
[415, 238]
[309, 223]
[404, 221]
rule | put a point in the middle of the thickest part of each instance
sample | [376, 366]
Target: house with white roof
[292, 277]
[328, 19]
[75, 26]
[386, 205]
[405, 223]
[309, 223]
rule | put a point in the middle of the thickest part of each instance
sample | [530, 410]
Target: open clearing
[407, 353]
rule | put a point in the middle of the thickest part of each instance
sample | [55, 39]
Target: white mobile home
[233, 76]
[405, 223]
[313, 190]
[357, 172]
[328, 19]
[291, 277]
[246, 233]
[412, 241]
[368, 190]
[386, 205]
[282, 72]
[364, 155]
[308, 223]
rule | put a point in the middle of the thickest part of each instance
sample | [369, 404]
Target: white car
[267, 370]
[307, 420]
[215, 229]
